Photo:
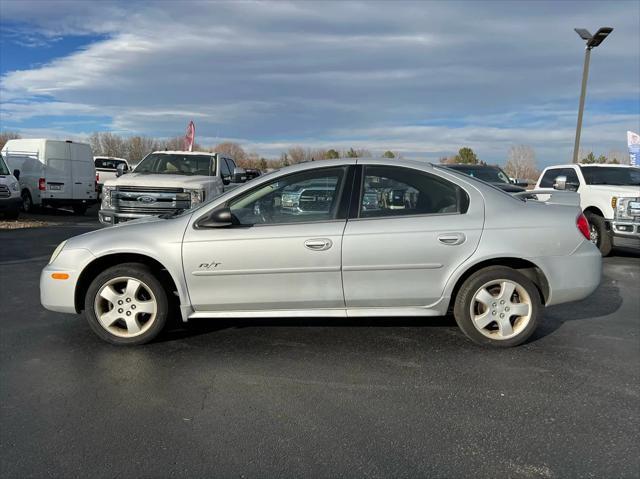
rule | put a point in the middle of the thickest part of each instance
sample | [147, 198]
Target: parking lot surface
[316, 397]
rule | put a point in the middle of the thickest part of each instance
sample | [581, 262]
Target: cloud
[418, 77]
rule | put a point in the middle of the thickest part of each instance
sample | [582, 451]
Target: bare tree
[138, 147]
[232, 149]
[522, 163]
[296, 154]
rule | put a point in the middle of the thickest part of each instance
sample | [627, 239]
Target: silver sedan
[343, 238]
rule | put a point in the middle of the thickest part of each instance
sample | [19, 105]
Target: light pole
[592, 42]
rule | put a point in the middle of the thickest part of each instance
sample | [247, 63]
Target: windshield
[177, 164]
[491, 174]
[4, 170]
[611, 175]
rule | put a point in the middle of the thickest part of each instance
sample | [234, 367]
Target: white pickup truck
[167, 183]
[609, 198]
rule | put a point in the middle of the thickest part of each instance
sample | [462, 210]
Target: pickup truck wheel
[126, 305]
[27, 202]
[80, 209]
[599, 234]
[498, 306]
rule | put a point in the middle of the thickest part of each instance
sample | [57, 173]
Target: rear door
[411, 230]
[83, 172]
[58, 171]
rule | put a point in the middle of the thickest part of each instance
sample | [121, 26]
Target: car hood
[617, 190]
[149, 179]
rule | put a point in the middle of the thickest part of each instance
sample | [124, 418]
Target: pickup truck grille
[150, 200]
[4, 191]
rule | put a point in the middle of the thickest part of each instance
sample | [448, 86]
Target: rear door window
[396, 191]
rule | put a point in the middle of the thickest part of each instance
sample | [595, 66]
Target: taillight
[42, 184]
[97, 180]
[583, 225]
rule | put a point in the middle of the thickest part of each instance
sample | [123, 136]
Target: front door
[284, 253]
[412, 230]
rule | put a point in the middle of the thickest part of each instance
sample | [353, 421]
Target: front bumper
[10, 204]
[626, 234]
[111, 217]
[59, 294]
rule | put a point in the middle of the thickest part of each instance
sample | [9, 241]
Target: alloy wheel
[125, 307]
[501, 309]
[594, 236]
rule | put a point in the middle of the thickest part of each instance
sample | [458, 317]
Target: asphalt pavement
[316, 398]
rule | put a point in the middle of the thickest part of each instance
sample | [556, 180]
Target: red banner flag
[190, 136]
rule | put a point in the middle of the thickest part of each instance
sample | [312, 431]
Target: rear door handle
[452, 239]
[320, 244]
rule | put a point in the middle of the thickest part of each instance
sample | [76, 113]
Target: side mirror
[218, 218]
[16, 173]
[522, 183]
[239, 175]
[560, 183]
[121, 169]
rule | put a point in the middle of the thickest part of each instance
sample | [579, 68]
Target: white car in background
[10, 201]
[53, 173]
[609, 198]
[107, 168]
[167, 183]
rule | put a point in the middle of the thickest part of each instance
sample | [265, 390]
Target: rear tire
[498, 306]
[27, 202]
[126, 305]
[80, 209]
[599, 234]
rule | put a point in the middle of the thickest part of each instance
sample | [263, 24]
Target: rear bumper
[572, 277]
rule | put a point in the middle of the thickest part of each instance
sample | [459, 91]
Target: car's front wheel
[498, 306]
[126, 304]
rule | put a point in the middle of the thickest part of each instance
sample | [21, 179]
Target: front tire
[599, 234]
[498, 306]
[126, 305]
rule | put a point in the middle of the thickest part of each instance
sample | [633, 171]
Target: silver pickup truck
[166, 183]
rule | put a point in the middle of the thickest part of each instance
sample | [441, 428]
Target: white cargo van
[53, 173]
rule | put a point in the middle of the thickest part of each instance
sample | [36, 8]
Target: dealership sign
[633, 142]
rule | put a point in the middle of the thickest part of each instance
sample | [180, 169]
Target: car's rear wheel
[126, 304]
[598, 233]
[498, 306]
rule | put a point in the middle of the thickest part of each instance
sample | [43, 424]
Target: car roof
[180, 152]
[461, 166]
[582, 165]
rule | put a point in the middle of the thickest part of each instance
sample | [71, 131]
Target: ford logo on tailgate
[146, 199]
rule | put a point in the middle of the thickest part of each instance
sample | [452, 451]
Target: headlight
[627, 208]
[14, 186]
[197, 196]
[57, 251]
[106, 197]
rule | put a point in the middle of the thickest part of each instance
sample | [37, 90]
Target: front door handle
[320, 244]
[452, 239]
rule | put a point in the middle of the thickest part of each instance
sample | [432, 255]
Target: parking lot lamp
[592, 41]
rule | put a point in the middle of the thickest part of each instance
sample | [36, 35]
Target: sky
[420, 78]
